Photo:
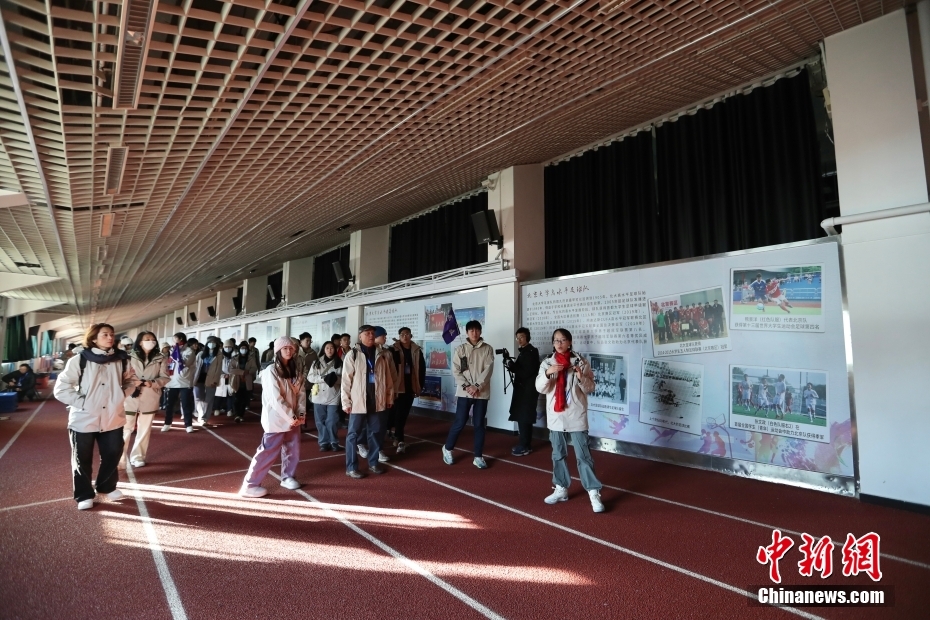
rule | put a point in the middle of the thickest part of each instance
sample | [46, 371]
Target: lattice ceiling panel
[257, 119]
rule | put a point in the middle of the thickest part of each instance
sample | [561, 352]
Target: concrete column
[880, 165]
[225, 308]
[203, 313]
[254, 292]
[369, 256]
[3, 318]
[298, 280]
[517, 198]
[169, 326]
[355, 317]
[498, 330]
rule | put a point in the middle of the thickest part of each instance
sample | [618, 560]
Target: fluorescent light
[106, 224]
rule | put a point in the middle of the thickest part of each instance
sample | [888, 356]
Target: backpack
[83, 365]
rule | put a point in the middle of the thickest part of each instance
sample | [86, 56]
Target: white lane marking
[21, 429]
[164, 574]
[724, 515]
[413, 565]
[48, 501]
[600, 541]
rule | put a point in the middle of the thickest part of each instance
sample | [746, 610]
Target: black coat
[29, 381]
[524, 368]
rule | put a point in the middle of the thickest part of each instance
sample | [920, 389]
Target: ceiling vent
[135, 33]
[116, 164]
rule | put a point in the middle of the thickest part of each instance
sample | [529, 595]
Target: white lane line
[715, 513]
[164, 574]
[21, 429]
[600, 541]
[413, 565]
[48, 501]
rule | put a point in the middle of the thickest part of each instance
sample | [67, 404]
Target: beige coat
[416, 354]
[237, 374]
[480, 367]
[96, 405]
[354, 376]
[154, 371]
[575, 416]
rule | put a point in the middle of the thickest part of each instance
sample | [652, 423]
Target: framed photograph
[693, 322]
[788, 298]
[610, 383]
[790, 402]
[672, 395]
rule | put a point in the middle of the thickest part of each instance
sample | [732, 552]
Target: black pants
[399, 414]
[186, 395]
[110, 446]
[239, 401]
[526, 434]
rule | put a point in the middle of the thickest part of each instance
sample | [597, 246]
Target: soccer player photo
[693, 322]
[780, 401]
[610, 375]
[777, 299]
[671, 395]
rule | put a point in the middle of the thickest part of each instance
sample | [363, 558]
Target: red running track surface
[425, 540]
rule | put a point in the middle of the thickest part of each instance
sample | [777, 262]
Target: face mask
[211, 345]
[243, 351]
[227, 349]
[148, 345]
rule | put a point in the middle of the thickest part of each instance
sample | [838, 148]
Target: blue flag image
[450, 330]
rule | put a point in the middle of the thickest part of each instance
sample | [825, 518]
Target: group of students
[110, 392]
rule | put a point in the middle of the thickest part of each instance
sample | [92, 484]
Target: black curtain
[18, 347]
[437, 241]
[744, 174]
[324, 278]
[601, 210]
[276, 282]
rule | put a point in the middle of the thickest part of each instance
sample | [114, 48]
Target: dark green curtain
[17, 348]
[743, 174]
[437, 241]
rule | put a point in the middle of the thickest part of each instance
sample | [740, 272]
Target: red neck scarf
[563, 359]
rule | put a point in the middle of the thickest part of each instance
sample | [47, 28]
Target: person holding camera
[523, 369]
[472, 366]
[566, 379]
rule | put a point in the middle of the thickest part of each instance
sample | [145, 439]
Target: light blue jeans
[560, 475]
[327, 424]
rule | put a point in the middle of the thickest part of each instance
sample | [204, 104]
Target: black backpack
[83, 364]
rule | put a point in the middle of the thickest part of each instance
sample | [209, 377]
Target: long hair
[91, 334]
[285, 370]
[565, 334]
[137, 347]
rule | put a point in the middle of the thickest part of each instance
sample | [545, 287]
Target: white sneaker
[480, 463]
[166, 428]
[362, 451]
[401, 447]
[190, 429]
[596, 503]
[114, 495]
[559, 495]
[137, 463]
[290, 483]
[216, 413]
[382, 457]
[247, 491]
[229, 414]
[87, 504]
[446, 456]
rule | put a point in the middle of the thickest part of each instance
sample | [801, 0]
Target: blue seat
[8, 402]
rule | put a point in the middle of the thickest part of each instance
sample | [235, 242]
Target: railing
[830, 223]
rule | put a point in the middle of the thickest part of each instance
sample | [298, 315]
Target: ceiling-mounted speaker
[193, 316]
[343, 273]
[486, 230]
[211, 311]
[271, 293]
[179, 320]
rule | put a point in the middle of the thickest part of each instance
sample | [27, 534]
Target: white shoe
[114, 495]
[401, 447]
[290, 483]
[190, 429]
[166, 428]
[137, 463]
[362, 451]
[382, 457]
[247, 491]
[87, 504]
[479, 462]
[216, 413]
[446, 456]
[229, 414]
[559, 495]
[596, 503]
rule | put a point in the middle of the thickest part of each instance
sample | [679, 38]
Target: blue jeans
[327, 423]
[479, 407]
[560, 475]
[357, 423]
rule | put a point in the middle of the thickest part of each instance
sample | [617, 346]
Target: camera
[503, 352]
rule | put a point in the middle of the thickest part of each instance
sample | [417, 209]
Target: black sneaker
[354, 474]
[325, 448]
[336, 447]
[377, 469]
[520, 451]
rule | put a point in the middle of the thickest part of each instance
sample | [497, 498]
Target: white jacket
[96, 405]
[480, 367]
[185, 378]
[155, 371]
[277, 415]
[575, 416]
[325, 395]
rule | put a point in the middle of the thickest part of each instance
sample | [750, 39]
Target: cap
[365, 328]
[125, 340]
[380, 331]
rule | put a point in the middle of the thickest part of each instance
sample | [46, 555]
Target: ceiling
[256, 119]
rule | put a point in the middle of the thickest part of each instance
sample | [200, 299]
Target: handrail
[830, 223]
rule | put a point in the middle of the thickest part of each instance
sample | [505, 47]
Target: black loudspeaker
[486, 230]
[179, 320]
[343, 273]
[211, 310]
[193, 317]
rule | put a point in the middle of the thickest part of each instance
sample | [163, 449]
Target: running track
[425, 540]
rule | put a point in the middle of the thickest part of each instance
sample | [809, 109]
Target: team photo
[693, 322]
[610, 383]
[787, 394]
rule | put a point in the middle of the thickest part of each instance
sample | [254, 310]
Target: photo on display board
[610, 383]
[672, 395]
[435, 317]
[790, 402]
[431, 395]
[464, 315]
[438, 356]
[693, 322]
[339, 325]
[326, 328]
[777, 298]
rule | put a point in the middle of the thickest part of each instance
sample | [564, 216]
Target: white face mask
[243, 351]
[211, 345]
[148, 345]
[227, 349]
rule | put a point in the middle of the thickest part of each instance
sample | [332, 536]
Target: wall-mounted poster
[435, 317]
[438, 356]
[321, 327]
[693, 322]
[610, 383]
[464, 315]
[672, 393]
[778, 298]
[781, 401]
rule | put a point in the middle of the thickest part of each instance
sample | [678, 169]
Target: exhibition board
[321, 326]
[231, 331]
[264, 332]
[740, 357]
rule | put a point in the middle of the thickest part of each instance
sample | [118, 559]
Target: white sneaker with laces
[382, 457]
[166, 428]
[559, 495]
[87, 504]
[362, 451]
[290, 483]
[596, 503]
[247, 491]
[479, 462]
[446, 456]
[114, 495]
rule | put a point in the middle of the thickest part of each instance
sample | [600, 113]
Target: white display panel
[264, 332]
[426, 318]
[320, 326]
[700, 407]
[232, 331]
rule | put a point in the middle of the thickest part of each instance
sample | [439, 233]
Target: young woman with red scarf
[566, 379]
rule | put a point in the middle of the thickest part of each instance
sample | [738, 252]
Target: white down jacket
[96, 404]
[575, 416]
[326, 394]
